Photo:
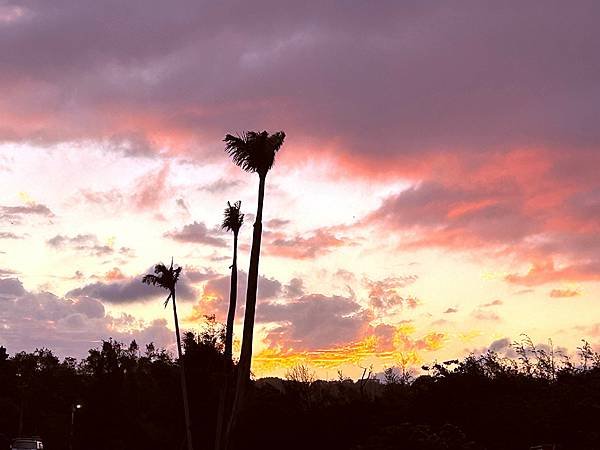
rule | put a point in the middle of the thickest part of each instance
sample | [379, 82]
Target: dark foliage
[254, 151]
[131, 399]
[233, 219]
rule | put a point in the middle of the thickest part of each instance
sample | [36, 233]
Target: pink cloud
[546, 272]
[514, 204]
[308, 246]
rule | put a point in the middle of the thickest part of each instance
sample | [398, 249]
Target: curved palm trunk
[243, 379]
[186, 407]
[225, 390]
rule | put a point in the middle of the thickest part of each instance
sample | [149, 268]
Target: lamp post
[22, 392]
[74, 407]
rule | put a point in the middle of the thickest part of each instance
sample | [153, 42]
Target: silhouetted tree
[253, 152]
[232, 221]
[167, 278]
[131, 400]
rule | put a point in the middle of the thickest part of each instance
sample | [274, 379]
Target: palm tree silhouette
[254, 152]
[167, 278]
[232, 221]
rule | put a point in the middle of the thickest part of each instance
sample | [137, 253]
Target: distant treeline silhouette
[131, 399]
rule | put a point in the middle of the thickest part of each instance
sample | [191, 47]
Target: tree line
[130, 399]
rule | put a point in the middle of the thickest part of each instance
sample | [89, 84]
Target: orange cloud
[546, 272]
[564, 293]
[402, 348]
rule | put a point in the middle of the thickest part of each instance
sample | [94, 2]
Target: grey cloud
[11, 287]
[130, 290]
[314, 321]
[295, 288]
[87, 243]
[15, 214]
[220, 186]
[9, 235]
[30, 320]
[466, 74]
[198, 233]
[500, 344]
[197, 276]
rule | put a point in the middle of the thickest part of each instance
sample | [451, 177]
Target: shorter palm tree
[167, 278]
[232, 221]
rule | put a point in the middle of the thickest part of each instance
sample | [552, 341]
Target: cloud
[451, 311]
[195, 275]
[295, 288]
[310, 246]
[448, 75]
[383, 294]
[454, 216]
[9, 235]
[87, 243]
[11, 287]
[7, 273]
[564, 293]
[520, 204]
[15, 214]
[122, 290]
[222, 185]
[198, 233]
[215, 295]
[492, 303]
[313, 321]
[546, 272]
[151, 189]
[145, 194]
[276, 223]
[183, 205]
[500, 344]
[480, 314]
[69, 326]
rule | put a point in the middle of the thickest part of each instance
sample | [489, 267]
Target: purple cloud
[130, 290]
[198, 233]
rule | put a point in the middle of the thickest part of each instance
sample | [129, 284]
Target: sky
[437, 194]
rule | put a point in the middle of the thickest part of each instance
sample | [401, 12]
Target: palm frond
[254, 151]
[167, 300]
[164, 277]
[232, 218]
[150, 280]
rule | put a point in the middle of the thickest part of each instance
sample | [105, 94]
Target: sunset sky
[438, 192]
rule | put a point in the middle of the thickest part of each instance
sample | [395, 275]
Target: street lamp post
[74, 407]
[22, 392]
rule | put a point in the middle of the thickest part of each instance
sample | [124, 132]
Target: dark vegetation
[131, 398]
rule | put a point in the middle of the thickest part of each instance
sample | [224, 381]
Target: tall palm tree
[254, 152]
[232, 221]
[167, 278]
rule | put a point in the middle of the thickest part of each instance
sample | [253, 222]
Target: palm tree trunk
[186, 407]
[243, 379]
[225, 391]
[232, 301]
